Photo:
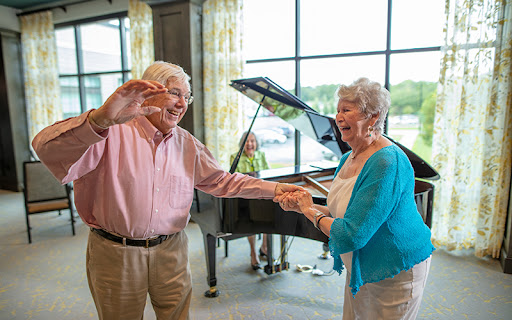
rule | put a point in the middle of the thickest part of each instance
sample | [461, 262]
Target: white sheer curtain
[141, 37]
[42, 87]
[222, 62]
[473, 127]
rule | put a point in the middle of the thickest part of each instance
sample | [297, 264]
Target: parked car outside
[286, 130]
[269, 136]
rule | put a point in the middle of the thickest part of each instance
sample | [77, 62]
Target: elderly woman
[252, 160]
[371, 218]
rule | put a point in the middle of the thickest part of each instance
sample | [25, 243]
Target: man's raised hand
[126, 103]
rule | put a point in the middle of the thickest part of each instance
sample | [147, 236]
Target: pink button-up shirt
[132, 180]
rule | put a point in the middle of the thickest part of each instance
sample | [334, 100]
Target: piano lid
[320, 128]
[288, 107]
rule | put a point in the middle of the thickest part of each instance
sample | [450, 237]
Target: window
[93, 59]
[311, 47]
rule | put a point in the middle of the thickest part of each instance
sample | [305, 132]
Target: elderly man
[134, 173]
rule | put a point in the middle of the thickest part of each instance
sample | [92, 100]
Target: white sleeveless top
[337, 201]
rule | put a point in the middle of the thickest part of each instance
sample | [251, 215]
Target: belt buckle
[147, 243]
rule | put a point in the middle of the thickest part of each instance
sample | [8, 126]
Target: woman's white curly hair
[370, 97]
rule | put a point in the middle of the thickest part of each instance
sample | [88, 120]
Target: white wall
[8, 19]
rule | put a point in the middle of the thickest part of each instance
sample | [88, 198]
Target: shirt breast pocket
[181, 192]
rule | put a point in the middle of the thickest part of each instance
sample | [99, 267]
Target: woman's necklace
[354, 155]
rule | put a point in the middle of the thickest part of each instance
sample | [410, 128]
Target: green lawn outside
[423, 150]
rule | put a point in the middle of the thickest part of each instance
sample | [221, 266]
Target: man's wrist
[94, 123]
[275, 189]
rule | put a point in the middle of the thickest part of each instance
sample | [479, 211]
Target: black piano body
[235, 218]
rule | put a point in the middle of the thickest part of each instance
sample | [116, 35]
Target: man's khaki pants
[120, 278]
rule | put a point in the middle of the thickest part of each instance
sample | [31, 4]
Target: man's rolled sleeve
[268, 189]
[62, 144]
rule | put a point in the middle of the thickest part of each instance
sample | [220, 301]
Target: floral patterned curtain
[41, 72]
[141, 37]
[473, 127]
[222, 62]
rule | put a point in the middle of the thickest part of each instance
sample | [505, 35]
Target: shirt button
[157, 190]
[152, 230]
[158, 169]
[156, 210]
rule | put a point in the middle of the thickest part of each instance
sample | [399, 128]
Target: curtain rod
[55, 6]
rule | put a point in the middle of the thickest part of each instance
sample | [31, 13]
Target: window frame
[297, 58]
[81, 75]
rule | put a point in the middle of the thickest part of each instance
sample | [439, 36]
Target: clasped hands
[297, 200]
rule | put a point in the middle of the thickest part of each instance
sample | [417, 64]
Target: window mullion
[297, 75]
[80, 68]
[388, 57]
[124, 49]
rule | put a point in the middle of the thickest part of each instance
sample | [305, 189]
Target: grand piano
[235, 218]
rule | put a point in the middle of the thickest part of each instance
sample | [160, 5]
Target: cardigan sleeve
[264, 163]
[374, 196]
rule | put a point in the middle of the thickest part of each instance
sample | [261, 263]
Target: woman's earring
[370, 130]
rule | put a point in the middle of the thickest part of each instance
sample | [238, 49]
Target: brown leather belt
[131, 242]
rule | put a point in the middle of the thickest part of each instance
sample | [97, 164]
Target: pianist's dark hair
[243, 137]
[370, 97]
[162, 72]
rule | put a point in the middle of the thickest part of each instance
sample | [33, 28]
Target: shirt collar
[150, 130]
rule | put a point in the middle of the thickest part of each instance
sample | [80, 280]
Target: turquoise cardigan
[382, 226]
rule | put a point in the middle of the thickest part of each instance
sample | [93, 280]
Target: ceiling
[25, 4]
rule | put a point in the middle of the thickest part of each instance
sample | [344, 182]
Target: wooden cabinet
[506, 249]
[14, 145]
[178, 39]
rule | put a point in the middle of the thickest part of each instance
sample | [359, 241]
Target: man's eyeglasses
[176, 93]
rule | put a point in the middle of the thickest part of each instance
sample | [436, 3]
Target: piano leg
[272, 267]
[284, 254]
[270, 255]
[210, 255]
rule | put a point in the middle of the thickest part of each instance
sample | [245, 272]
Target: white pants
[392, 298]
[120, 278]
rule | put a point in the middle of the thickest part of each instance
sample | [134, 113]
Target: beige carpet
[46, 280]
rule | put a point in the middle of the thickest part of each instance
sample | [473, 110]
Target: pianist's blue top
[382, 226]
